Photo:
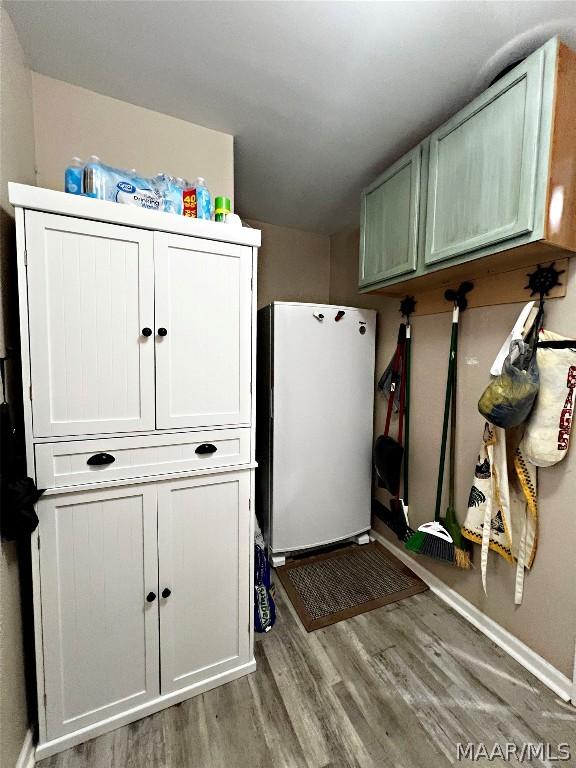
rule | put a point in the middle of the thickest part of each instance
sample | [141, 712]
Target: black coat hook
[459, 296]
[407, 307]
[542, 280]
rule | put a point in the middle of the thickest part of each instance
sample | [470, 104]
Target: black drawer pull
[206, 448]
[100, 458]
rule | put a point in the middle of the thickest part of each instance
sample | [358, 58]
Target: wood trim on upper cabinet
[499, 263]
[560, 221]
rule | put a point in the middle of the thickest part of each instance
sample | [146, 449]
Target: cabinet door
[98, 562]
[204, 560]
[389, 222]
[91, 292]
[203, 302]
[483, 164]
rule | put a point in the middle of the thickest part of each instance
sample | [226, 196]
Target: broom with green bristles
[449, 521]
[442, 539]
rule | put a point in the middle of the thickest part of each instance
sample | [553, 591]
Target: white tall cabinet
[138, 351]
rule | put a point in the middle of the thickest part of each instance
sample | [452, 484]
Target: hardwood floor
[399, 686]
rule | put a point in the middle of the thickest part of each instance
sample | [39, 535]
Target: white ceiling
[320, 96]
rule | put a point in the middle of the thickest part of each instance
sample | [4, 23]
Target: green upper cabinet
[389, 222]
[494, 187]
[483, 166]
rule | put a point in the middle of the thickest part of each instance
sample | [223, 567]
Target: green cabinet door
[483, 166]
[389, 222]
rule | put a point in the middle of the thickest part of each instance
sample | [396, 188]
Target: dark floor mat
[337, 585]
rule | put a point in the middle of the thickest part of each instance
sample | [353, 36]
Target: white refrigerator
[315, 397]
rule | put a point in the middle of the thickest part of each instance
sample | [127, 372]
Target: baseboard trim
[49, 748]
[26, 757]
[523, 654]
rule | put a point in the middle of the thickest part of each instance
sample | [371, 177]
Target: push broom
[442, 538]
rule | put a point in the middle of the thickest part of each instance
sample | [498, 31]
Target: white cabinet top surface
[51, 201]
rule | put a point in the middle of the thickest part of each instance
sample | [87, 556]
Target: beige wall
[74, 121]
[292, 265]
[546, 621]
[16, 164]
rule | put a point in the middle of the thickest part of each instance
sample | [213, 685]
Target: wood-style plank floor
[399, 686]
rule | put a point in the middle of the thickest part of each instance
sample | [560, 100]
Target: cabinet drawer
[88, 461]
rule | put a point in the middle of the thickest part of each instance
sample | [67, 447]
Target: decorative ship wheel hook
[542, 280]
[407, 307]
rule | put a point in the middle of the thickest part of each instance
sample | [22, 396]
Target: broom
[442, 539]
[432, 539]
[449, 521]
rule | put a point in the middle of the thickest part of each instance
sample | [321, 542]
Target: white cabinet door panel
[91, 291]
[98, 561]
[203, 550]
[203, 300]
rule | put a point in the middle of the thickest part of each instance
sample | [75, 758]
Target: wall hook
[459, 296]
[407, 307]
[542, 280]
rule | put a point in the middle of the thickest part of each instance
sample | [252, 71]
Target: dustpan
[388, 452]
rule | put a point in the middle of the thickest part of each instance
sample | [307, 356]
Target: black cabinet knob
[162, 332]
[99, 459]
[206, 448]
[146, 331]
[166, 592]
[151, 596]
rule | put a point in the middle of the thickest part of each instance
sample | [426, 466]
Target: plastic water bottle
[73, 177]
[92, 179]
[170, 192]
[204, 199]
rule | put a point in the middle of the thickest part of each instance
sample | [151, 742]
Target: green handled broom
[449, 521]
[442, 539]
[432, 539]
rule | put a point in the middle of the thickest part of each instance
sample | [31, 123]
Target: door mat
[334, 586]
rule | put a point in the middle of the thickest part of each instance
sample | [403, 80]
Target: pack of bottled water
[159, 193]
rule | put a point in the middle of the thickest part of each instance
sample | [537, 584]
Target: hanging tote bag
[547, 435]
[508, 399]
